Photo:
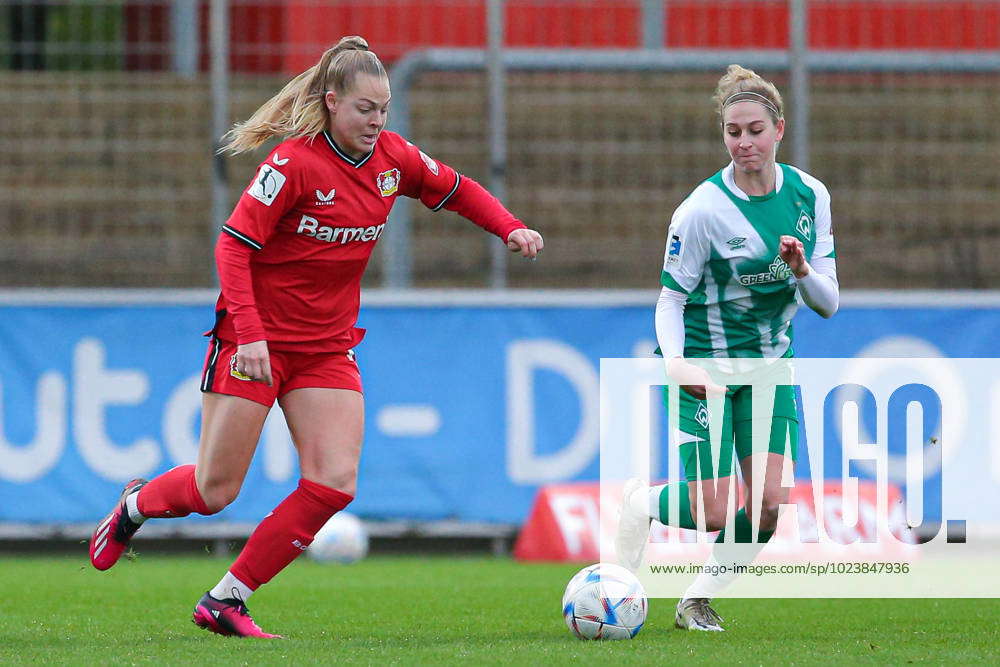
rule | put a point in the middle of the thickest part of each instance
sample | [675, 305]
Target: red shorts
[289, 370]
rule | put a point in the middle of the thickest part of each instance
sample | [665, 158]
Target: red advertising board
[566, 524]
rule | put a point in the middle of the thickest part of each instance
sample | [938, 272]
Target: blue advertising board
[471, 404]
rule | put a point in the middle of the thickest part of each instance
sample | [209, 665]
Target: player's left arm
[439, 186]
[817, 279]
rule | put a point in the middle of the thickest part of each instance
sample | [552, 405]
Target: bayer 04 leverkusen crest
[388, 182]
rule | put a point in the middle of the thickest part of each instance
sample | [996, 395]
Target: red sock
[172, 494]
[287, 531]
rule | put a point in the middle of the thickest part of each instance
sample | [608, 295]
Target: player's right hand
[528, 242]
[253, 360]
[694, 380]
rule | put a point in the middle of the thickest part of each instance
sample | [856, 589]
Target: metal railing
[397, 258]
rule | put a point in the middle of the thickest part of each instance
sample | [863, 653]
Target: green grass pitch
[442, 610]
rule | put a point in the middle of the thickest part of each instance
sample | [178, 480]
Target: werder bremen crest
[701, 415]
[804, 226]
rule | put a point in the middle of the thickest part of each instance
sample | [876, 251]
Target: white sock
[231, 587]
[637, 501]
[708, 585]
[653, 501]
[132, 505]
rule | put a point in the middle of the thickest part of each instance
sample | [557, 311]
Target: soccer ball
[604, 601]
[342, 540]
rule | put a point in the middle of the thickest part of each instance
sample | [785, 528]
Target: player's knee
[342, 477]
[345, 482]
[715, 516]
[218, 495]
[769, 514]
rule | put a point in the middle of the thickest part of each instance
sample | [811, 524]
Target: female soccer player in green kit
[739, 249]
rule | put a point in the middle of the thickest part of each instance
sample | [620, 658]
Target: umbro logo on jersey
[325, 199]
[737, 242]
[388, 182]
[311, 227]
[280, 161]
[804, 226]
[299, 545]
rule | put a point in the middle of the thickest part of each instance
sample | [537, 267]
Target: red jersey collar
[344, 156]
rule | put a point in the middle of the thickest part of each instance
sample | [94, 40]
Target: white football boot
[697, 614]
[633, 525]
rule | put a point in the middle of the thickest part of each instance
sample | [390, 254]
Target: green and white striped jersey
[722, 251]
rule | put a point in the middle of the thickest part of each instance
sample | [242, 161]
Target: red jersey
[291, 256]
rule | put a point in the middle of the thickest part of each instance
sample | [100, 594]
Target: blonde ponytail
[298, 109]
[740, 84]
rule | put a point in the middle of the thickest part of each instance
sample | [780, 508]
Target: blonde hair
[299, 110]
[740, 84]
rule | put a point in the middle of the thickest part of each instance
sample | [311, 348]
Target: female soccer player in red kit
[290, 261]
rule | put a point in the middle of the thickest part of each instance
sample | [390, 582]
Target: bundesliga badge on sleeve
[266, 185]
[429, 163]
[674, 251]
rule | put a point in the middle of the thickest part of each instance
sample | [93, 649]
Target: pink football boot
[228, 617]
[112, 535]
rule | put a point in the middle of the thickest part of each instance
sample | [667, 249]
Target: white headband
[763, 101]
